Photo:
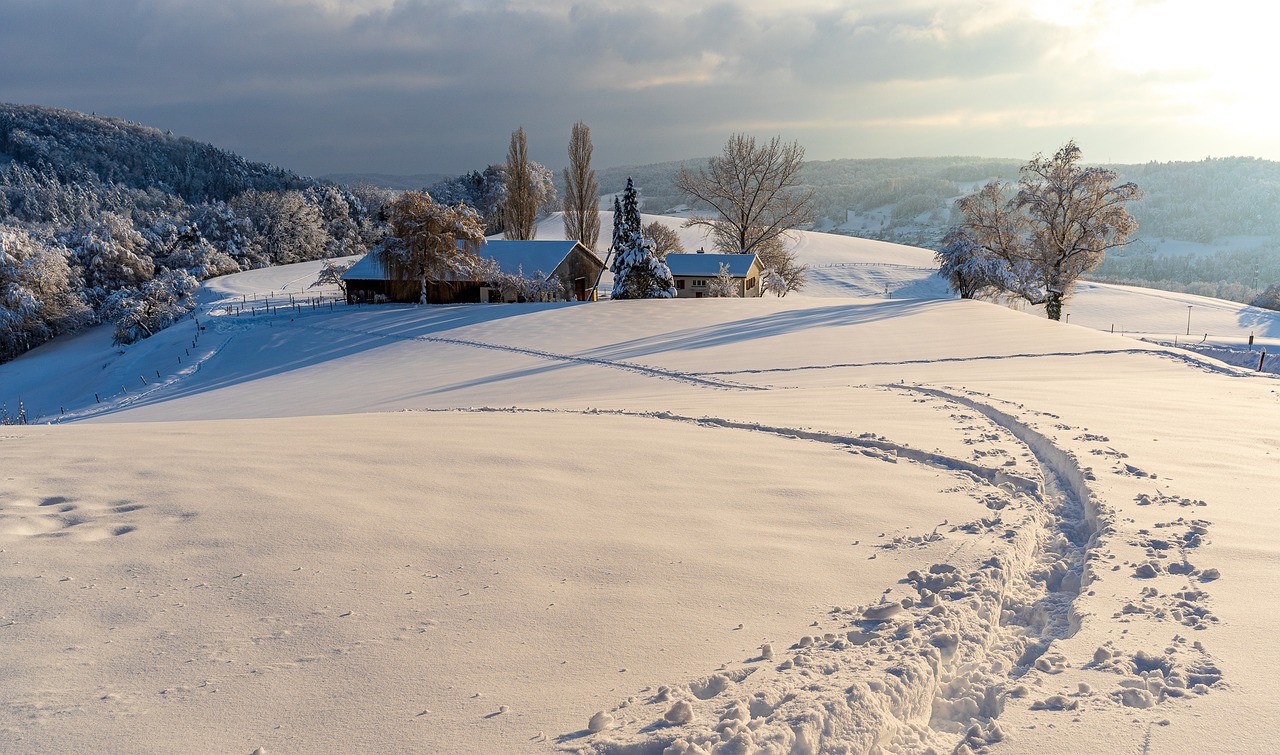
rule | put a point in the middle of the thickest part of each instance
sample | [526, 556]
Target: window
[680, 284]
[699, 283]
[751, 284]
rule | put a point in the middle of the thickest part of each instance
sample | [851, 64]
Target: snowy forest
[101, 219]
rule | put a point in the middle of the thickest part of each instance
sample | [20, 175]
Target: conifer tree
[638, 272]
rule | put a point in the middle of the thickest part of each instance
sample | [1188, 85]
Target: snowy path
[931, 665]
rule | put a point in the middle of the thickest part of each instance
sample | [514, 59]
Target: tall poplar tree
[520, 207]
[581, 190]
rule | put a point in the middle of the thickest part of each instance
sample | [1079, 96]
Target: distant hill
[73, 146]
[409, 182]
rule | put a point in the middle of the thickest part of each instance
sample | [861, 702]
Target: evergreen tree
[616, 242]
[638, 272]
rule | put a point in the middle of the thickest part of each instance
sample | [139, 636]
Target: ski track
[931, 669]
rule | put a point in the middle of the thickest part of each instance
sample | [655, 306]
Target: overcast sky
[415, 86]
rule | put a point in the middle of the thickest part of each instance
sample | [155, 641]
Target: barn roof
[511, 256]
[531, 256]
[708, 265]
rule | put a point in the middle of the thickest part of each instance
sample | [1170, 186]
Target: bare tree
[755, 191]
[429, 241]
[1058, 226]
[520, 207]
[665, 239]
[581, 190]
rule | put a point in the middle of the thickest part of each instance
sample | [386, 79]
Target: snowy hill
[845, 521]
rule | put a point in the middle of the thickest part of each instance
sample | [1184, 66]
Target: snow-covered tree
[1268, 299]
[112, 255]
[331, 275]
[615, 241]
[37, 297]
[429, 241]
[723, 286]
[286, 227]
[483, 191]
[155, 305]
[638, 272]
[1036, 243]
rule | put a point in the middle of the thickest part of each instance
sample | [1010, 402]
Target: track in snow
[932, 669]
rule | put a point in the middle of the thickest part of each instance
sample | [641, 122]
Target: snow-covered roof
[531, 256]
[709, 264]
[511, 256]
[366, 268]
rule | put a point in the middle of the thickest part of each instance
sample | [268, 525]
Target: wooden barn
[576, 267]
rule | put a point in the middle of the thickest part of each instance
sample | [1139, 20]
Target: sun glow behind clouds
[1210, 61]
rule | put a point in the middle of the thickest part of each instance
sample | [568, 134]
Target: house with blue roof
[693, 273]
[576, 267]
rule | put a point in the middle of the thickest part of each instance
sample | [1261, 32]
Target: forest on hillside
[102, 219]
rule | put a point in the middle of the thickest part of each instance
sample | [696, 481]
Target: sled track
[931, 670]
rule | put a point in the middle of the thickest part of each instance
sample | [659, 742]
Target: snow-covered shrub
[723, 285]
[517, 287]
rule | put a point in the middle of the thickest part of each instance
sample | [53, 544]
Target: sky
[437, 86]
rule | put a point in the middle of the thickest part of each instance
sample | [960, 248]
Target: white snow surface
[853, 520]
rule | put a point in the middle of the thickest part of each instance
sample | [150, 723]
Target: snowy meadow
[868, 518]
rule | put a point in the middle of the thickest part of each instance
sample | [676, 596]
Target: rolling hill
[851, 521]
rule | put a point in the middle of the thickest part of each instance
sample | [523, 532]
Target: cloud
[438, 85]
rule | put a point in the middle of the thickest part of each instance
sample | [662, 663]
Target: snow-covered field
[857, 520]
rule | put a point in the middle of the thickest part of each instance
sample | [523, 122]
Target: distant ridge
[408, 182]
[73, 146]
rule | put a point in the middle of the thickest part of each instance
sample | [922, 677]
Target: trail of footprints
[62, 517]
[935, 662]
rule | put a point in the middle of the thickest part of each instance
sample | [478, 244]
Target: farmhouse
[692, 273]
[575, 266]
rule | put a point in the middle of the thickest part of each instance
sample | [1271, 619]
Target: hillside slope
[822, 523]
